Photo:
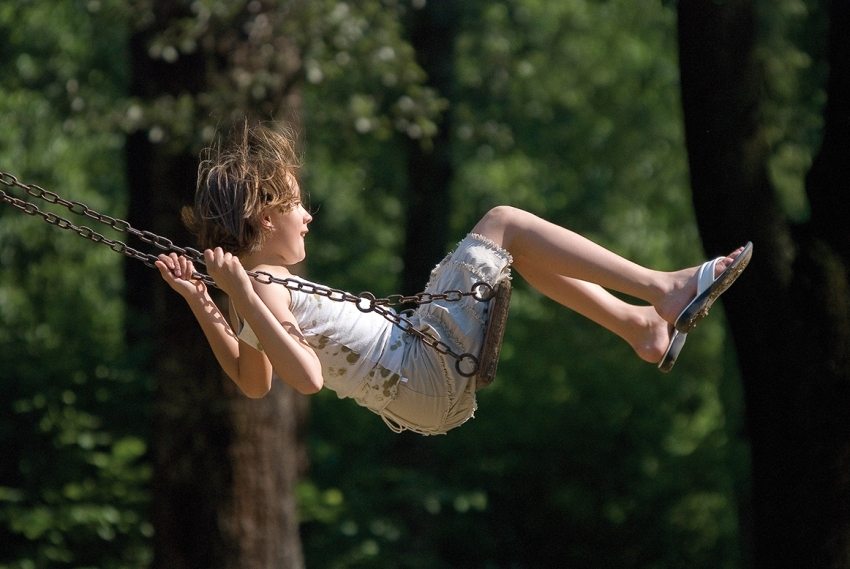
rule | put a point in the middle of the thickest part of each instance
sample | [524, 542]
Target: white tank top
[362, 354]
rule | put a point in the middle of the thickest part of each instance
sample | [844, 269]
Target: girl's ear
[266, 220]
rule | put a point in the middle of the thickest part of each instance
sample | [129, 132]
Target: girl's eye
[292, 206]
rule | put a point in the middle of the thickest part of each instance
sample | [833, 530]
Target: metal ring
[368, 296]
[466, 357]
[488, 291]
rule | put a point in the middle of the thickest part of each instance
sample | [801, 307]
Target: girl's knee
[496, 224]
[503, 216]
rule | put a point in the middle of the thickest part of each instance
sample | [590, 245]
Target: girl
[248, 214]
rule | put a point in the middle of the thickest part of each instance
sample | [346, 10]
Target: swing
[497, 317]
[481, 368]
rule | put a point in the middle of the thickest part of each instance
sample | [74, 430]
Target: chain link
[87, 233]
[466, 364]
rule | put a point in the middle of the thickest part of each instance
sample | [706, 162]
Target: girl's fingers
[176, 266]
[163, 263]
[167, 272]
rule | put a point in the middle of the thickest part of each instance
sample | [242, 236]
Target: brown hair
[255, 170]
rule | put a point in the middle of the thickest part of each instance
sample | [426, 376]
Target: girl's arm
[177, 272]
[266, 309]
[249, 369]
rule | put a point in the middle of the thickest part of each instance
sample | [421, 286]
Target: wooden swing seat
[497, 316]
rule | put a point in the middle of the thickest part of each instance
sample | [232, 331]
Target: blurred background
[121, 445]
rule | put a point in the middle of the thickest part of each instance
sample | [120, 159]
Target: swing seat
[497, 316]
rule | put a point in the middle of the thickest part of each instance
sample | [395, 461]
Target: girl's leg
[541, 247]
[640, 326]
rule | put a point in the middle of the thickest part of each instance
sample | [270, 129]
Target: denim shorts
[434, 396]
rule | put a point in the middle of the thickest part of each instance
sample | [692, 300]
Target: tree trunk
[225, 466]
[789, 314]
[429, 171]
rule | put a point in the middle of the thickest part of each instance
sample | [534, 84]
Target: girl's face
[289, 227]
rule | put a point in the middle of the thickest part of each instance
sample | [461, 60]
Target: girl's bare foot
[651, 337]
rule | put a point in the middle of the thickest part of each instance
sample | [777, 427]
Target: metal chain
[87, 233]
[365, 302]
[119, 225]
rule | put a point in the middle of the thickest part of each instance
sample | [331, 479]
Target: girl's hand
[177, 271]
[227, 271]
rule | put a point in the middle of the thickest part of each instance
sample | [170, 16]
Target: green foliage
[580, 455]
[73, 480]
[352, 54]
[579, 118]
[362, 75]
[793, 53]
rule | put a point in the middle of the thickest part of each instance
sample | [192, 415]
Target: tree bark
[789, 314]
[430, 170]
[225, 466]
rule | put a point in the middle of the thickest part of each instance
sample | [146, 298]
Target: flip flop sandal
[668, 360]
[709, 288]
